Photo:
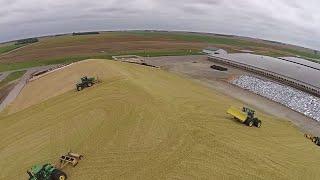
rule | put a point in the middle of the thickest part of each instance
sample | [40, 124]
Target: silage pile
[144, 123]
[290, 97]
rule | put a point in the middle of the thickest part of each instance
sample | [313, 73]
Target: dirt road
[3, 75]
[22, 82]
[198, 68]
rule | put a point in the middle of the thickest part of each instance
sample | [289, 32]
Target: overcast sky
[291, 21]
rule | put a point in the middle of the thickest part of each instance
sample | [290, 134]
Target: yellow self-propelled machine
[246, 116]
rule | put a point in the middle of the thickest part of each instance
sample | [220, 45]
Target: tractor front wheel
[250, 123]
[58, 175]
[89, 84]
[79, 88]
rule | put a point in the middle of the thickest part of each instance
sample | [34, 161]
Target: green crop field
[70, 59]
[232, 43]
[7, 48]
[68, 48]
[145, 123]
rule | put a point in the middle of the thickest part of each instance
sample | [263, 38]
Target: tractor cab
[84, 79]
[249, 111]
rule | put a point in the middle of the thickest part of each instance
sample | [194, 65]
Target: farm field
[145, 123]
[7, 48]
[68, 48]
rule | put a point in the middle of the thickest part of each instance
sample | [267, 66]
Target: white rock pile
[294, 99]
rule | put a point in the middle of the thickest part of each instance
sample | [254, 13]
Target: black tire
[89, 84]
[58, 175]
[258, 123]
[79, 88]
[317, 142]
[250, 123]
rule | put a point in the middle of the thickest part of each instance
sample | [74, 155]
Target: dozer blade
[237, 114]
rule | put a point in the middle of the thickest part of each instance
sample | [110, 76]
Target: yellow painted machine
[246, 116]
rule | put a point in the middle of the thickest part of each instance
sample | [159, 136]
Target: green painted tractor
[85, 82]
[50, 172]
[46, 172]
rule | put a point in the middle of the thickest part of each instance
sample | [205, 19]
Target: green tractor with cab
[85, 82]
[54, 172]
[46, 172]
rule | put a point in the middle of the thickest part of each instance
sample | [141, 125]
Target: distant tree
[26, 41]
[84, 33]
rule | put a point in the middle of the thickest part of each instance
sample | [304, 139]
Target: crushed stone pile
[294, 99]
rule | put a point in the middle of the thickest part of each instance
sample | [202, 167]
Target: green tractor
[46, 172]
[51, 172]
[85, 82]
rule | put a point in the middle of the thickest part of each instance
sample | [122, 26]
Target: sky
[290, 21]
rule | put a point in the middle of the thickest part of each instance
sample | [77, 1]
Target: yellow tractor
[245, 116]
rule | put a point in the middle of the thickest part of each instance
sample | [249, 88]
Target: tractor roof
[36, 168]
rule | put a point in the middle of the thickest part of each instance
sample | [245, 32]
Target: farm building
[299, 73]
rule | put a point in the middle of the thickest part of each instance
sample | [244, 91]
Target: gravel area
[294, 99]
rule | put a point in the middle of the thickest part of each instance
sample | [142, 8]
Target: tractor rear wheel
[58, 175]
[258, 123]
[317, 142]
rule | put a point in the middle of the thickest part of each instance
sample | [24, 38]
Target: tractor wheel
[58, 175]
[250, 123]
[317, 142]
[89, 84]
[79, 88]
[258, 124]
